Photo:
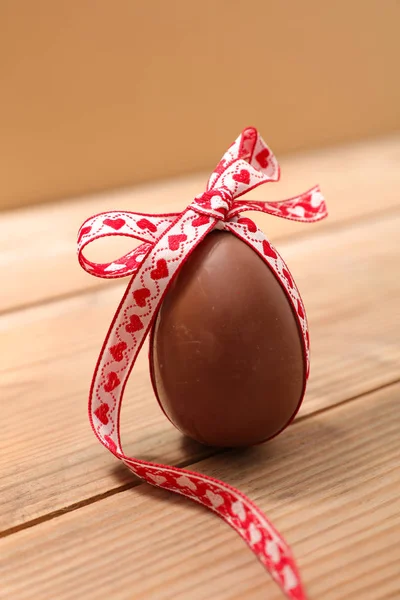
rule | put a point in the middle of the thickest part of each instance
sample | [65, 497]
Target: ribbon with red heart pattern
[167, 242]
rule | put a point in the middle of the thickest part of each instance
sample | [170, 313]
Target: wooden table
[76, 524]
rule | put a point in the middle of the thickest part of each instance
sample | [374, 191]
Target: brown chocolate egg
[226, 358]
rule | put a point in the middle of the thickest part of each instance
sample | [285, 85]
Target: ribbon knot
[215, 202]
[167, 242]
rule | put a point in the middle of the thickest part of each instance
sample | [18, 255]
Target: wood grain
[330, 485]
[38, 245]
[49, 457]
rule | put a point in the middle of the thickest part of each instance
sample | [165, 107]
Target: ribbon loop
[249, 149]
[308, 207]
[138, 226]
[120, 267]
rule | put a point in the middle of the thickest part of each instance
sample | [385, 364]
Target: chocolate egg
[226, 357]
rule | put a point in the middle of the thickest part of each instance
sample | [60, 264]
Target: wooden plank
[49, 457]
[357, 180]
[330, 485]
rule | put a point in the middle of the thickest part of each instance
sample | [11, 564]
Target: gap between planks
[183, 465]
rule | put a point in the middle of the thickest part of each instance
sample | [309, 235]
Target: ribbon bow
[167, 241]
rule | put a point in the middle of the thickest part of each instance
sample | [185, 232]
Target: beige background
[100, 94]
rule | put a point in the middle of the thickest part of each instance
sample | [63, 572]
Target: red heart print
[140, 296]
[200, 220]
[306, 202]
[205, 199]
[112, 382]
[300, 310]
[262, 158]
[110, 443]
[114, 223]
[117, 351]
[268, 250]
[308, 339]
[160, 271]
[135, 324]
[288, 277]
[242, 177]
[101, 413]
[175, 240]
[221, 210]
[146, 224]
[251, 226]
[84, 231]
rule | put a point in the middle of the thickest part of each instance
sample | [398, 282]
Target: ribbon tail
[133, 321]
[238, 511]
[128, 331]
[308, 207]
